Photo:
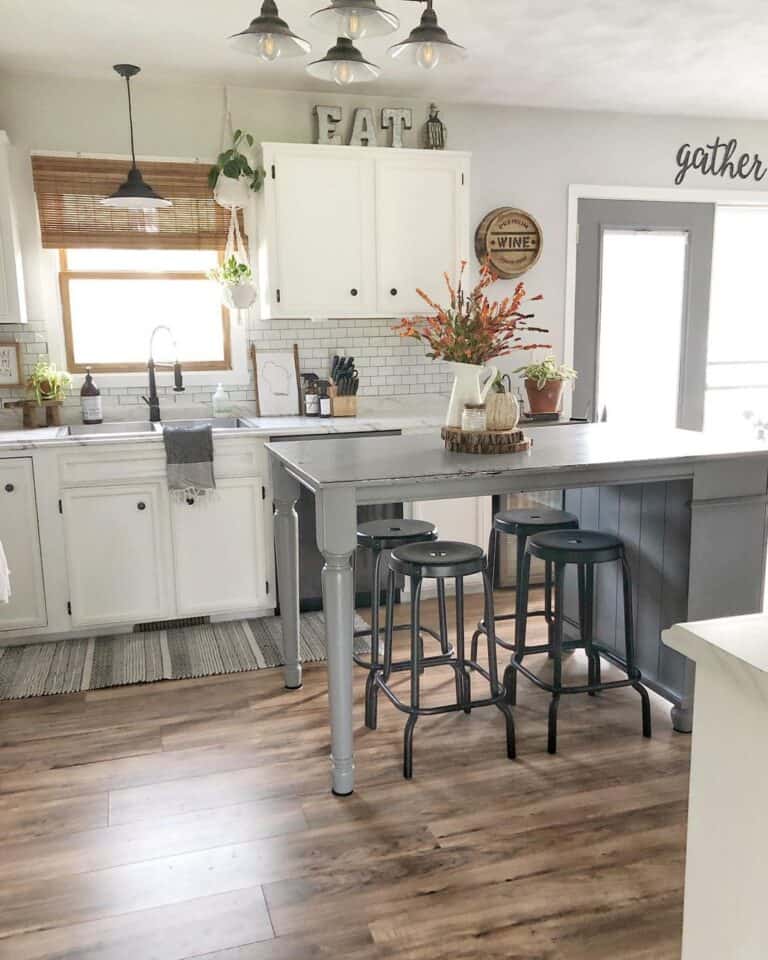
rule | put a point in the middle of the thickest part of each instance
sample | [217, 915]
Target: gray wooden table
[691, 508]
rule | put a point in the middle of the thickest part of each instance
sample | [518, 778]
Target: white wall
[521, 157]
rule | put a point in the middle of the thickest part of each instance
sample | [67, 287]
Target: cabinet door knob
[141, 505]
[393, 291]
[9, 488]
[190, 500]
[353, 291]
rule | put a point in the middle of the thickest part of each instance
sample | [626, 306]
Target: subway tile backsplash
[388, 365]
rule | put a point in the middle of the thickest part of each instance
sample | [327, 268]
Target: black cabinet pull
[353, 291]
[190, 500]
[393, 291]
[141, 505]
[9, 488]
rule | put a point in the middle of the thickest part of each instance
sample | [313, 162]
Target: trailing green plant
[47, 383]
[232, 272]
[547, 370]
[233, 163]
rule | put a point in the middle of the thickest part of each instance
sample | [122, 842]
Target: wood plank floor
[193, 819]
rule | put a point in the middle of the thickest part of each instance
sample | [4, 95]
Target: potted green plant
[234, 176]
[544, 382]
[47, 383]
[236, 281]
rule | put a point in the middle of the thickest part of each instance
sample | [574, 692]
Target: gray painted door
[694, 219]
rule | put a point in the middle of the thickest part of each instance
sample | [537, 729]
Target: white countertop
[738, 640]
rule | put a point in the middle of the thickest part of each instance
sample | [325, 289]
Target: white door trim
[588, 191]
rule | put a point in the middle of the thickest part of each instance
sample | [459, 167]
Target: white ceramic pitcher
[467, 389]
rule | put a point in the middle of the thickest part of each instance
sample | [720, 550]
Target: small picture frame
[10, 365]
[276, 374]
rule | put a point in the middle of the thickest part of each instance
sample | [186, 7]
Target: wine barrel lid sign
[509, 240]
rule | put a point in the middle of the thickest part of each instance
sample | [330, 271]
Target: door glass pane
[642, 297]
[737, 357]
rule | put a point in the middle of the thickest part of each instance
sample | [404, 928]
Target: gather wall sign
[721, 158]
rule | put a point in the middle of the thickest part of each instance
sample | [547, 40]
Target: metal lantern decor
[428, 44]
[355, 19]
[269, 37]
[344, 64]
[134, 193]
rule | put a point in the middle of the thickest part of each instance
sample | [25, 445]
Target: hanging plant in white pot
[235, 278]
[234, 177]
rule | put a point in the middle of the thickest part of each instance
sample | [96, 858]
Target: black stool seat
[530, 520]
[437, 560]
[576, 546]
[388, 534]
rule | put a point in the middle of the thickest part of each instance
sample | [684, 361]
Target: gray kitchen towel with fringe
[189, 458]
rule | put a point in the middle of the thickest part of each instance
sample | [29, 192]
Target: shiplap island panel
[705, 495]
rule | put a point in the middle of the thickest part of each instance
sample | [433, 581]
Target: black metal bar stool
[585, 549]
[381, 536]
[523, 523]
[439, 561]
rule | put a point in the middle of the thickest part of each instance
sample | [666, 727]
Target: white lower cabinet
[118, 553]
[20, 537]
[220, 549]
[466, 520]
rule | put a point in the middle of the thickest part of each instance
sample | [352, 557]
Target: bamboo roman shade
[69, 189]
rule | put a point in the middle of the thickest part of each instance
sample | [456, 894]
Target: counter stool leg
[463, 690]
[493, 552]
[442, 611]
[415, 676]
[493, 665]
[510, 674]
[587, 623]
[371, 686]
[557, 657]
[629, 640]
[521, 597]
[548, 615]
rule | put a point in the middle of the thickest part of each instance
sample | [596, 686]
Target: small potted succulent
[46, 383]
[236, 281]
[544, 382]
[233, 177]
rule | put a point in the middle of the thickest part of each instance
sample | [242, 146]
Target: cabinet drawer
[145, 460]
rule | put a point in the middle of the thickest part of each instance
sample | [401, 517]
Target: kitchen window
[113, 299]
[123, 272]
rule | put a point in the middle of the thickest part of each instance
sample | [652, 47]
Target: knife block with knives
[345, 383]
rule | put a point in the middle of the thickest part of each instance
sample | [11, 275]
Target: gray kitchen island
[690, 507]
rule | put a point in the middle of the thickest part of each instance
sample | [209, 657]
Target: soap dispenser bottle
[90, 400]
[220, 402]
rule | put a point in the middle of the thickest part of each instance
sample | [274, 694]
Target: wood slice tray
[484, 441]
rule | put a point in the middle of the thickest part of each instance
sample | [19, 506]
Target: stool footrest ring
[497, 698]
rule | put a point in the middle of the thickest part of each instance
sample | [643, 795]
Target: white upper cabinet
[422, 227]
[352, 231]
[12, 298]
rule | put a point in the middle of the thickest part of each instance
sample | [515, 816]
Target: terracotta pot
[546, 400]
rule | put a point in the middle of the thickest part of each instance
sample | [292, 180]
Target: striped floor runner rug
[203, 650]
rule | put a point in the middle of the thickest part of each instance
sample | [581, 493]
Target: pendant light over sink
[344, 64]
[269, 37]
[355, 19]
[134, 193]
[428, 44]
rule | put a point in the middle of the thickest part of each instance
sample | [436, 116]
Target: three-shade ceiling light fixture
[269, 37]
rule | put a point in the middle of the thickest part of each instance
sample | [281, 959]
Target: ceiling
[705, 57]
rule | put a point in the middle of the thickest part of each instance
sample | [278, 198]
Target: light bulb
[427, 56]
[343, 73]
[269, 48]
[353, 25]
